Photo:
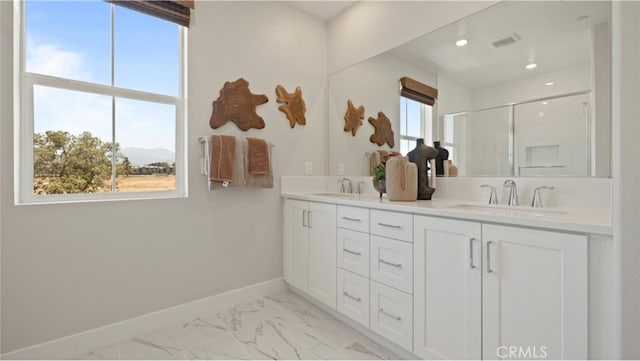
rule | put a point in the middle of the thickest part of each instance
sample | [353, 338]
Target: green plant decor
[379, 172]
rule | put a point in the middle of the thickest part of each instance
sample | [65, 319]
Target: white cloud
[49, 59]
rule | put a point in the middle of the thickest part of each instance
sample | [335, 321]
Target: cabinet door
[391, 263]
[296, 244]
[391, 314]
[447, 289]
[353, 251]
[322, 252]
[534, 294]
[353, 296]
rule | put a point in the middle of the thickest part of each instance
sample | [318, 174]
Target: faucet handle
[537, 197]
[359, 188]
[493, 197]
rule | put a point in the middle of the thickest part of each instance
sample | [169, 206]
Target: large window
[102, 97]
[415, 122]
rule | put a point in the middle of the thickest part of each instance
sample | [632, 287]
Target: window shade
[176, 11]
[415, 90]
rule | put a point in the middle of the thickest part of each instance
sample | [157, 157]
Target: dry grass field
[146, 183]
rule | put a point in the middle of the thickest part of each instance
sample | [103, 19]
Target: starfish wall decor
[353, 118]
[293, 107]
[236, 103]
[383, 132]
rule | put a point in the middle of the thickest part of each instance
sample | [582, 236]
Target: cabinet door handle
[352, 219]
[397, 318]
[304, 218]
[309, 219]
[389, 225]
[346, 294]
[471, 265]
[352, 252]
[381, 260]
[489, 270]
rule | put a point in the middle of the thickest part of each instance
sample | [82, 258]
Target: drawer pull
[390, 263]
[397, 318]
[346, 294]
[352, 219]
[389, 225]
[352, 252]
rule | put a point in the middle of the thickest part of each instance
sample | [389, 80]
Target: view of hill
[144, 156]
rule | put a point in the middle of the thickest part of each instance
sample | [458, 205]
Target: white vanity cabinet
[482, 291]
[310, 248]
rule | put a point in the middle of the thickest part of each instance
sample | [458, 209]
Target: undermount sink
[508, 211]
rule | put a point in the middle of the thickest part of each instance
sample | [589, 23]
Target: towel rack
[203, 140]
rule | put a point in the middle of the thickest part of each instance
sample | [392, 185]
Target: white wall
[369, 28]
[67, 268]
[373, 84]
[626, 170]
[452, 96]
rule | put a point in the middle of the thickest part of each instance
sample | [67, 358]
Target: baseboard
[70, 346]
[399, 352]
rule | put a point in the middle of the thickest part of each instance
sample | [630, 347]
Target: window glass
[145, 133]
[156, 69]
[72, 142]
[61, 43]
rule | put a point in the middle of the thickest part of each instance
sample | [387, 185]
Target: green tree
[65, 163]
[123, 168]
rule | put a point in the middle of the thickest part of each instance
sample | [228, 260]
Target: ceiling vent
[506, 41]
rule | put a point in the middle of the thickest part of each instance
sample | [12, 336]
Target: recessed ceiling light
[545, 103]
[462, 42]
[549, 83]
[531, 66]
[541, 114]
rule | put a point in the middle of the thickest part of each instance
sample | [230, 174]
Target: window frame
[24, 83]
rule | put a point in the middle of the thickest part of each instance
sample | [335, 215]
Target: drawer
[392, 263]
[353, 218]
[392, 225]
[392, 314]
[353, 251]
[353, 296]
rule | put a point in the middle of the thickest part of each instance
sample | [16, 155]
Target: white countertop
[582, 220]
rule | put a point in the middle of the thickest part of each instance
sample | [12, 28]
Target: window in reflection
[415, 122]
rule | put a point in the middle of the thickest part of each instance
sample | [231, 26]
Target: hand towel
[258, 180]
[238, 169]
[222, 156]
[258, 156]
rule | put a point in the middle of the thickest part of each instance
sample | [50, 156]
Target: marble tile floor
[283, 326]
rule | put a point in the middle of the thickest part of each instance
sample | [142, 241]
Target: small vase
[380, 186]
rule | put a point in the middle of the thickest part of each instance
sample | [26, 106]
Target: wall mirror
[497, 113]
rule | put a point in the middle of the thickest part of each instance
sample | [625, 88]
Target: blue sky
[72, 39]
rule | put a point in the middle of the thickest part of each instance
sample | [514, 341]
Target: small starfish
[383, 132]
[294, 106]
[353, 118]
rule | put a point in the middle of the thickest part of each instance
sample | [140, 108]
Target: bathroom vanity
[455, 280]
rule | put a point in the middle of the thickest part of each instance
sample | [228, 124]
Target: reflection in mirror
[487, 112]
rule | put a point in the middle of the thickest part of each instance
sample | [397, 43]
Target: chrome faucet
[359, 187]
[493, 197]
[513, 192]
[537, 198]
[349, 188]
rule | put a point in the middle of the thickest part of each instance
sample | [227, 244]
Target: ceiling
[549, 35]
[323, 10]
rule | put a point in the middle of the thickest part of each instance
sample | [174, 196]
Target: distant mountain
[144, 156]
